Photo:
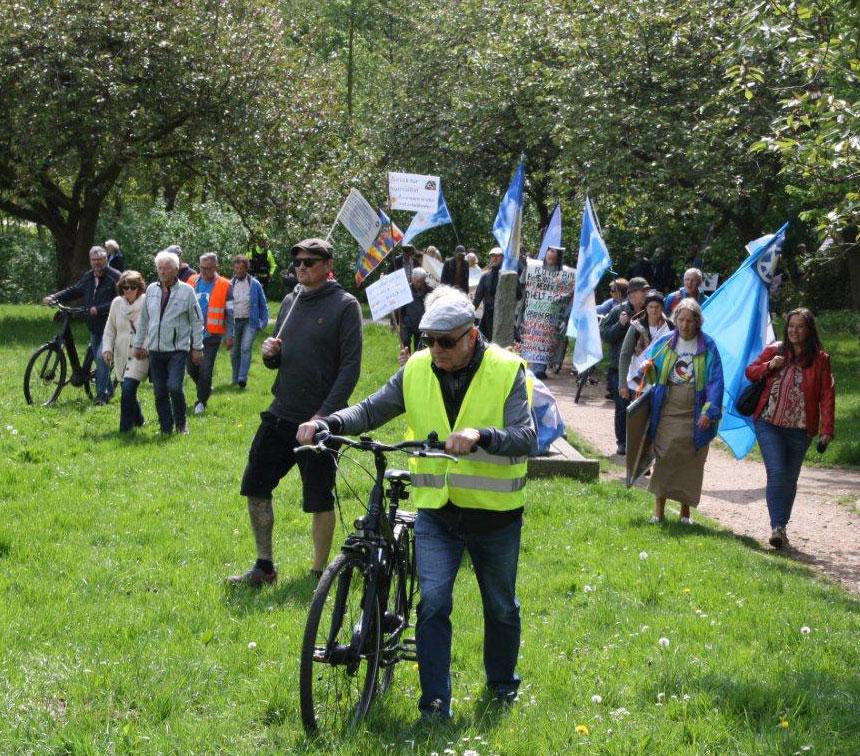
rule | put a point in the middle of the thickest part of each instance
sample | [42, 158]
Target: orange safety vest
[217, 309]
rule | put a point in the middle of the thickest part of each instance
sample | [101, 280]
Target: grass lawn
[118, 635]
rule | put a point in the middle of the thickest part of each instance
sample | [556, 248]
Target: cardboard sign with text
[388, 294]
[360, 219]
[413, 191]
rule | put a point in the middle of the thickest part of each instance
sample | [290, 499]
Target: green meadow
[118, 635]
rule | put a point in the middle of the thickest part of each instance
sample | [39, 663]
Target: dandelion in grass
[643, 555]
[252, 646]
[664, 642]
[588, 589]
[596, 699]
[783, 723]
[582, 729]
[805, 630]
[661, 697]
[685, 590]
[471, 752]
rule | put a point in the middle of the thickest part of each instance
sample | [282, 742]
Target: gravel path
[825, 524]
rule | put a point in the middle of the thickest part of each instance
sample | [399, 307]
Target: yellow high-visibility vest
[479, 480]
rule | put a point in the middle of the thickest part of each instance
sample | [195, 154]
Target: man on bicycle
[97, 287]
[475, 394]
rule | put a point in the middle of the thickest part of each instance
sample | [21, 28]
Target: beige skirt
[679, 468]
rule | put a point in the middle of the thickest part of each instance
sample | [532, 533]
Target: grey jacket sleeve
[349, 344]
[195, 318]
[373, 412]
[519, 436]
[139, 341]
[626, 354]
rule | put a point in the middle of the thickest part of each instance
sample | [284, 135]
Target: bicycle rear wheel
[45, 375]
[89, 373]
[337, 678]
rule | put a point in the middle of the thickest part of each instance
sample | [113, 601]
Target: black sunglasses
[308, 262]
[445, 342]
[127, 287]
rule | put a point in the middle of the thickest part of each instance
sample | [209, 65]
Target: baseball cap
[318, 246]
[637, 283]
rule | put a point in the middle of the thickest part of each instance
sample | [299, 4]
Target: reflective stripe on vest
[217, 303]
[480, 480]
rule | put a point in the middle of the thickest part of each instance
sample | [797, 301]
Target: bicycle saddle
[398, 475]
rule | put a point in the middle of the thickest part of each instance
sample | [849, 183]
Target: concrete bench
[565, 461]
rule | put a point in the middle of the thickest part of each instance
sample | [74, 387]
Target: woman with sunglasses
[797, 403]
[121, 326]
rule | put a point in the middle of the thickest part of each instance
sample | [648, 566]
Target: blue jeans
[167, 371]
[104, 385]
[130, 415]
[439, 551]
[783, 450]
[243, 341]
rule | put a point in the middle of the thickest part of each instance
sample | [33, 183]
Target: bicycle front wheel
[45, 375]
[338, 671]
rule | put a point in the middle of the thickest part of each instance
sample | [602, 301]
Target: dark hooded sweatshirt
[320, 358]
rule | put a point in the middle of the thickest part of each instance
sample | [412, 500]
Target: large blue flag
[552, 236]
[592, 263]
[422, 222]
[737, 317]
[508, 225]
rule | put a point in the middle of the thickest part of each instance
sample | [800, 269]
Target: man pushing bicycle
[476, 396]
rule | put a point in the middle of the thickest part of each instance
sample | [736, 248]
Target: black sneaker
[242, 384]
[254, 578]
[621, 450]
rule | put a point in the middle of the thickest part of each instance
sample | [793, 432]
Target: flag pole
[336, 219]
[395, 313]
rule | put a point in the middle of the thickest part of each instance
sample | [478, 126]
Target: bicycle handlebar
[69, 310]
[420, 448]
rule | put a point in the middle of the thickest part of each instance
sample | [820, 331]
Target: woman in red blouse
[797, 403]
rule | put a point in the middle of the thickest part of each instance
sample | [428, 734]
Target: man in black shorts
[316, 349]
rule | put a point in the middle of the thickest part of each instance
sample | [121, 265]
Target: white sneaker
[686, 521]
[199, 408]
[655, 520]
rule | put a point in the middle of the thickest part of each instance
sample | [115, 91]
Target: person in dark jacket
[613, 329]
[115, 258]
[455, 270]
[97, 288]
[411, 314]
[486, 292]
[406, 260]
[185, 270]
[797, 403]
[316, 350]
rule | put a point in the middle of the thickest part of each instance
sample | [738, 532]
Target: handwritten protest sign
[548, 294]
[413, 191]
[388, 293]
[360, 219]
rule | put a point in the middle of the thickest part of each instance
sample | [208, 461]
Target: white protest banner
[413, 191]
[388, 293]
[360, 219]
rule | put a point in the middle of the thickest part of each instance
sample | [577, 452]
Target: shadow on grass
[808, 694]
[672, 527]
[243, 600]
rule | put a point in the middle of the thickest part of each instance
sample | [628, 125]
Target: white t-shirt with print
[682, 371]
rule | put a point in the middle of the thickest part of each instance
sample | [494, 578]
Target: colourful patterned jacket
[708, 376]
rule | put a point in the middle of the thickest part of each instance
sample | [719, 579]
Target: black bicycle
[45, 375]
[360, 612]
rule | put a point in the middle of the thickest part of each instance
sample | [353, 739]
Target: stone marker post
[505, 308]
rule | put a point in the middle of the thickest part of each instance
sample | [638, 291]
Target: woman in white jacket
[121, 327]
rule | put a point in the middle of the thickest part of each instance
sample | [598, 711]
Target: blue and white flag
[737, 317]
[592, 263]
[552, 236]
[508, 225]
[422, 222]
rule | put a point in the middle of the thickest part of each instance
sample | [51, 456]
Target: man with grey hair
[215, 297]
[115, 258]
[171, 326]
[691, 289]
[185, 270]
[474, 395]
[97, 289]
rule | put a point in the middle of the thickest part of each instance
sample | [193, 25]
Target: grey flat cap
[318, 246]
[447, 314]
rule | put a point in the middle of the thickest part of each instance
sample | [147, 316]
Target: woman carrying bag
[797, 403]
[686, 407]
[647, 326]
[116, 346]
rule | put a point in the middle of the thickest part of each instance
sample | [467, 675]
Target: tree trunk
[72, 245]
